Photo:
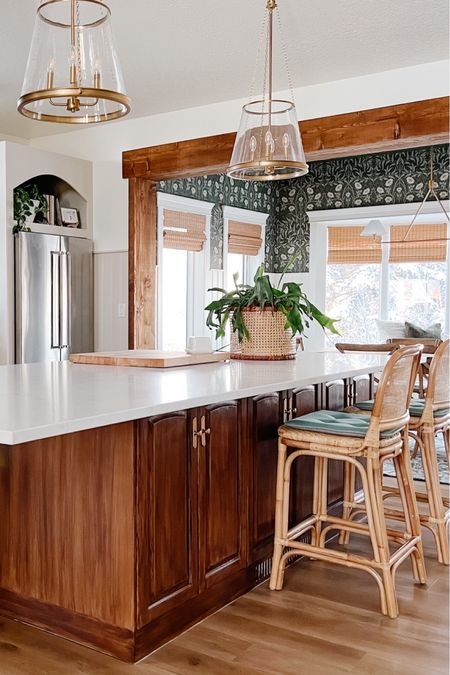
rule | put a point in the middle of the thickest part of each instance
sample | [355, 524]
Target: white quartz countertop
[49, 399]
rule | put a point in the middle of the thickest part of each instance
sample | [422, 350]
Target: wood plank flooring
[326, 621]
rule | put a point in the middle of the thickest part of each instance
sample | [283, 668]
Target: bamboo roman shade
[185, 231]
[244, 238]
[424, 243]
[347, 246]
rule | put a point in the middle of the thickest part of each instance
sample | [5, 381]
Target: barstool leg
[319, 496]
[412, 521]
[375, 498]
[436, 504]
[279, 510]
[349, 496]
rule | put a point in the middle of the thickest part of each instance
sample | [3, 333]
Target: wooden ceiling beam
[378, 130]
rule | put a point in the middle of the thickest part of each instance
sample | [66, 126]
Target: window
[368, 278]
[183, 274]
[244, 233]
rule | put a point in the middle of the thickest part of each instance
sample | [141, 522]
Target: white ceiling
[178, 54]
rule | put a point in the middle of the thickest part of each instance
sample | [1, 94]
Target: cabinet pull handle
[203, 431]
[195, 433]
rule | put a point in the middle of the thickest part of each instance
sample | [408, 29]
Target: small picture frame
[69, 217]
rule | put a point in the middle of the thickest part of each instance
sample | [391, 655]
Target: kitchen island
[134, 502]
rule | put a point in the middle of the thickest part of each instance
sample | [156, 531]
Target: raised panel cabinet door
[303, 400]
[362, 388]
[167, 515]
[222, 497]
[264, 417]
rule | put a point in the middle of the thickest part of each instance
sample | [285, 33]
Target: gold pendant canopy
[268, 144]
[73, 75]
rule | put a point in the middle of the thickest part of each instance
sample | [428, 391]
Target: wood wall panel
[141, 264]
[110, 290]
[68, 532]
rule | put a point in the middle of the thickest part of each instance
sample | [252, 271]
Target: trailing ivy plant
[24, 207]
[287, 298]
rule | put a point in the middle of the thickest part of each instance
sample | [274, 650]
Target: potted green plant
[265, 320]
[28, 202]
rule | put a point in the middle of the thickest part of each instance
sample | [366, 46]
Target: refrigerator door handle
[55, 299]
[65, 300]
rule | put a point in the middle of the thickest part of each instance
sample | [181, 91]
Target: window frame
[395, 214]
[251, 263]
[199, 275]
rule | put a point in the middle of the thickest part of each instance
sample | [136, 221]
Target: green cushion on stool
[415, 409]
[334, 422]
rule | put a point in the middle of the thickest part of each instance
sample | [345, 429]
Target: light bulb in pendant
[286, 144]
[270, 144]
[253, 146]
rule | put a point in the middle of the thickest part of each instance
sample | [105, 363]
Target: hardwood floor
[325, 622]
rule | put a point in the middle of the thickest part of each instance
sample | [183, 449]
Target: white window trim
[245, 216]
[395, 214]
[200, 273]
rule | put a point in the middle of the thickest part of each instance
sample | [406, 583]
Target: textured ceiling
[178, 54]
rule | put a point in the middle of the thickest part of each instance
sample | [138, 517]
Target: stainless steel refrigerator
[53, 297]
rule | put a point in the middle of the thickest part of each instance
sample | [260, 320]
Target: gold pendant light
[268, 144]
[73, 75]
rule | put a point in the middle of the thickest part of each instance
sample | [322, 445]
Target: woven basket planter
[269, 341]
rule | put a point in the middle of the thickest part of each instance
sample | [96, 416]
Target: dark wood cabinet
[361, 388]
[176, 511]
[222, 498]
[191, 505]
[301, 401]
[336, 396]
[264, 416]
[167, 515]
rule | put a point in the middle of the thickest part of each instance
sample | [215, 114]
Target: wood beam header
[378, 130]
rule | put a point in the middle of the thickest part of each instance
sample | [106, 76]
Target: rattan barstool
[362, 442]
[428, 418]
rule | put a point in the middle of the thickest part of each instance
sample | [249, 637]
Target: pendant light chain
[285, 55]
[268, 143]
[78, 46]
[261, 40]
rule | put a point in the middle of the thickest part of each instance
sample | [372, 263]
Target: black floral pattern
[216, 238]
[365, 180]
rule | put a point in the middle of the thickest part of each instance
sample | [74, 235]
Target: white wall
[106, 142]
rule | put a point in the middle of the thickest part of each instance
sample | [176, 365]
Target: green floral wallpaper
[365, 180]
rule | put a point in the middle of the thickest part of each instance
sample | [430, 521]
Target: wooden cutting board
[147, 358]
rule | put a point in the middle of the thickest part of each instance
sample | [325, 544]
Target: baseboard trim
[64, 623]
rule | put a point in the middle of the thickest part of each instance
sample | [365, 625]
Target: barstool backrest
[438, 390]
[390, 409]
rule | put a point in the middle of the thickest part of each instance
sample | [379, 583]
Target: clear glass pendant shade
[73, 73]
[268, 144]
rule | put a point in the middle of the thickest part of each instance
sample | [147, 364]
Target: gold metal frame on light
[99, 22]
[68, 92]
[289, 106]
[301, 170]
